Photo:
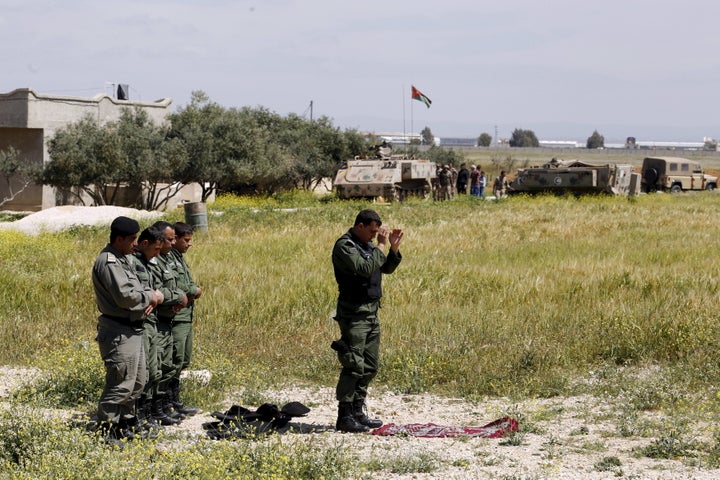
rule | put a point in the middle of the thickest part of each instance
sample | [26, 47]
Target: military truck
[385, 176]
[674, 174]
[577, 177]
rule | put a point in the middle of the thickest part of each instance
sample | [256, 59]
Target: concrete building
[28, 119]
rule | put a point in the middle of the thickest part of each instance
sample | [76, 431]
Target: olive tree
[595, 141]
[17, 174]
[151, 159]
[523, 138]
[85, 161]
[200, 128]
[484, 140]
[427, 136]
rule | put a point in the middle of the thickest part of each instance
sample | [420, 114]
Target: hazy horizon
[561, 68]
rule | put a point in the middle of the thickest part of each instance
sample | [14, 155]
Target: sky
[562, 68]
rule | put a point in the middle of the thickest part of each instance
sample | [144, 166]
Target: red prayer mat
[498, 428]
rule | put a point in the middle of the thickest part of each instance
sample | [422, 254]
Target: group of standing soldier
[145, 294]
[449, 182]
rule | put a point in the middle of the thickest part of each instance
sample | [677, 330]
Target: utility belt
[124, 321]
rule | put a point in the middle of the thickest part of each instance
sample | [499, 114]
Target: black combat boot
[150, 421]
[346, 421]
[167, 407]
[110, 433]
[177, 404]
[360, 415]
[143, 412]
[158, 414]
[130, 428]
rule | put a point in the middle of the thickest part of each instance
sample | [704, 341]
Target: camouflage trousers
[150, 345]
[122, 352]
[165, 357]
[182, 333]
[360, 363]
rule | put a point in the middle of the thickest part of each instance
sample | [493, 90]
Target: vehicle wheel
[651, 176]
[710, 186]
[676, 188]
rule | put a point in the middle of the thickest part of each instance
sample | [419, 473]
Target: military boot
[130, 428]
[177, 404]
[146, 417]
[346, 421]
[159, 415]
[169, 410]
[360, 414]
[110, 433]
[143, 412]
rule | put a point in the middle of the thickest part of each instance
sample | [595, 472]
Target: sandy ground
[577, 434]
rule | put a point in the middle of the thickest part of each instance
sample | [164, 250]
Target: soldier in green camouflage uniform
[358, 266]
[182, 330]
[124, 304]
[175, 300]
[150, 404]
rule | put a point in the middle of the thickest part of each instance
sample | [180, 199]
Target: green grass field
[520, 298]
[492, 297]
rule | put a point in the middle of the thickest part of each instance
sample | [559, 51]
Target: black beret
[124, 226]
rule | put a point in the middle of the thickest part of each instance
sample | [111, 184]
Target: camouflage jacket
[176, 262]
[119, 293]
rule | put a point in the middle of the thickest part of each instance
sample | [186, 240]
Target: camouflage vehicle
[675, 174]
[574, 176]
[387, 176]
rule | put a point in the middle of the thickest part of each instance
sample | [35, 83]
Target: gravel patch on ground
[569, 439]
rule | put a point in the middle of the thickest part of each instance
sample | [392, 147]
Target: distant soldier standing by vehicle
[444, 182]
[462, 179]
[500, 185]
[358, 266]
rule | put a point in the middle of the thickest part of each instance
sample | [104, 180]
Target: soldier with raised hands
[358, 266]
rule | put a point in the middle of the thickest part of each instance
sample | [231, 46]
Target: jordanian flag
[418, 95]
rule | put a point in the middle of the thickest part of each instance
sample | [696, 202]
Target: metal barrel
[196, 216]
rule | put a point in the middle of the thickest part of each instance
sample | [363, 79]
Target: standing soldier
[444, 181]
[124, 304]
[175, 299]
[149, 246]
[359, 266]
[500, 185]
[453, 179]
[463, 179]
[182, 329]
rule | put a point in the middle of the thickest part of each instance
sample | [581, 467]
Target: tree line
[240, 150]
[222, 149]
[527, 138]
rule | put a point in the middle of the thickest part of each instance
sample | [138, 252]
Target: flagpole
[412, 120]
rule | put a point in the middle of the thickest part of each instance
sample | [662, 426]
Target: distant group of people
[146, 295]
[449, 182]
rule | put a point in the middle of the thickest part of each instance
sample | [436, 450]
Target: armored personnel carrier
[387, 176]
[574, 176]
